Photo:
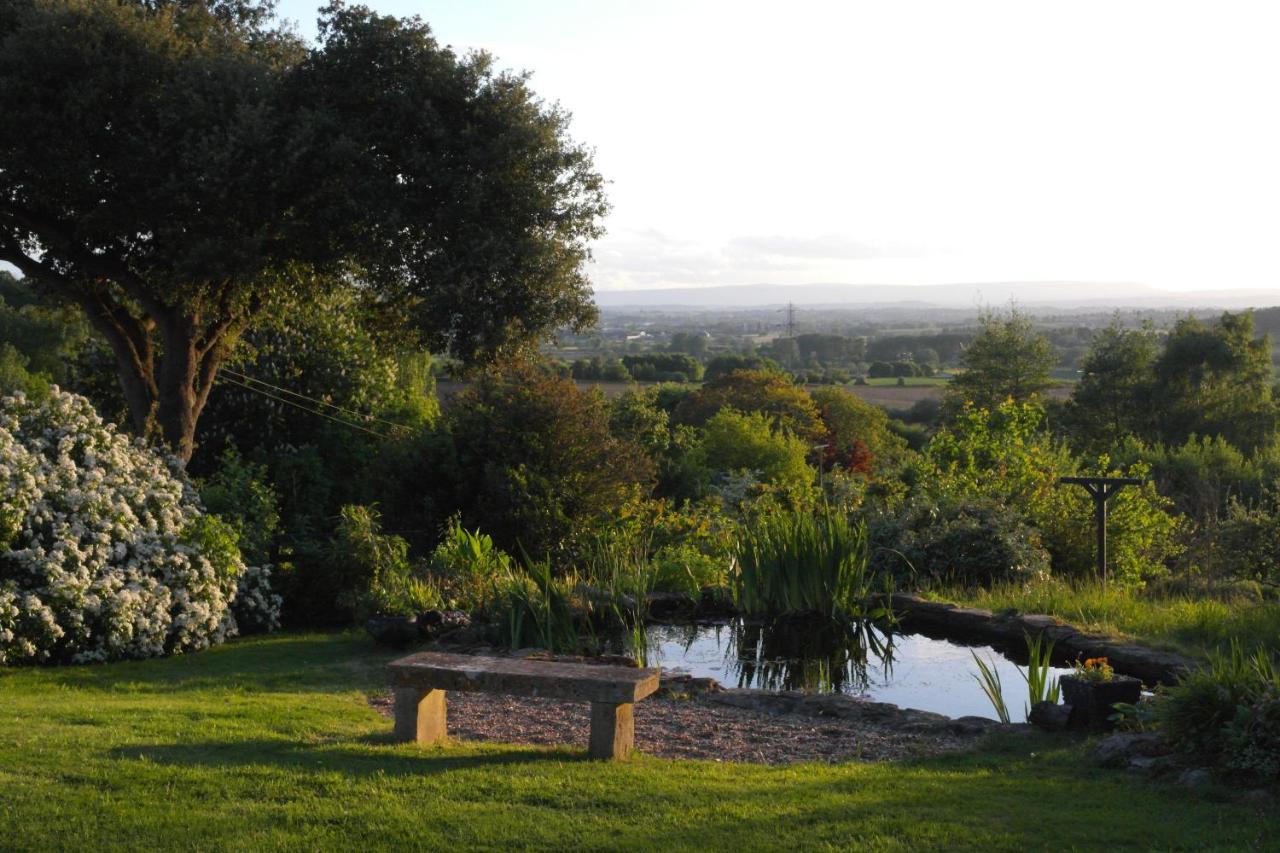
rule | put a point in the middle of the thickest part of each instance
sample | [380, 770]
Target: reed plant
[1041, 685]
[800, 562]
[537, 609]
[988, 678]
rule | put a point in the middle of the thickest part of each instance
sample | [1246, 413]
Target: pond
[909, 670]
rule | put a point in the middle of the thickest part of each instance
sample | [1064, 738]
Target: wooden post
[1101, 489]
[420, 715]
[613, 731]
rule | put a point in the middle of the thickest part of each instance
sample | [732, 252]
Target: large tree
[179, 168]
[1007, 360]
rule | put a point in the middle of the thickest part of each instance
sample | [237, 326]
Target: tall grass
[1193, 625]
[538, 608]
[802, 563]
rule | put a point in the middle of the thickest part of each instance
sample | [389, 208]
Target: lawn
[269, 743]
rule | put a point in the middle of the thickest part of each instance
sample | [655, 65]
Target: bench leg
[420, 715]
[613, 731]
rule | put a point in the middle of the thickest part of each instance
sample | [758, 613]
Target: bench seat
[420, 682]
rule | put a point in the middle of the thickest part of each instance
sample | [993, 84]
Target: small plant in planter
[1093, 691]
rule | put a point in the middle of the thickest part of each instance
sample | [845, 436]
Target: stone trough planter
[1093, 702]
[393, 630]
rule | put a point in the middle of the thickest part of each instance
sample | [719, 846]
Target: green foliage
[1008, 360]
[734, 442]
[1114, 396]
[1005, 457]
[1228, 711]
[848, 418]
[1041, 686]
[533, 463]
[1194, 625]
[375, 159]
[217, 541]
[1215, 380]
[787, 405]
[239, 492]
[722, 365]
[1248, 540]
[801, 562]
[684, 568]
[967, 542]
[988, 679]
[536, 609]
[465, 564]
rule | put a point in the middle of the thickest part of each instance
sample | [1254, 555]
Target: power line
[318, 402]
[288, 402]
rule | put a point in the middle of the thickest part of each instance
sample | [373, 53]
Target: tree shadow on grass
[356, 760]
[287, 662]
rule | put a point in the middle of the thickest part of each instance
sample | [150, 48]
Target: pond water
[909, 670]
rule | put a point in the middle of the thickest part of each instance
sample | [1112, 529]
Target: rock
[663, 605]
[1152, 765]
[1120, 749]
[1050, 716]
[1258, 795]
[765, 701]
[972, 726]
[436, 623]
[392, 630]
[716, 601]
[1197, 777]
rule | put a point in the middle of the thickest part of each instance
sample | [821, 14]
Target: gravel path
[699, 727]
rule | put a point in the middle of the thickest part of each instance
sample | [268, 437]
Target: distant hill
[1061, 294]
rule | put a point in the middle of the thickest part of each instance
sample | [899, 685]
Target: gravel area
[702, 726]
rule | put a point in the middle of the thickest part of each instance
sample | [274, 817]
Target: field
[270, 744]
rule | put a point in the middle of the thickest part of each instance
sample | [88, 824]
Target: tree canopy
[1007, 360]
[178, 169]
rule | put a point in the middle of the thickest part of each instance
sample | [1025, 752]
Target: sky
[908, 142]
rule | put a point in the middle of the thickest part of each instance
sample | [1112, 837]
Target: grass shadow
[389, 759]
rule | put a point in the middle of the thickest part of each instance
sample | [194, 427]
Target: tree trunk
[188, 367]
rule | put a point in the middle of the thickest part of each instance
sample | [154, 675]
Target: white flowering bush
[105, 551]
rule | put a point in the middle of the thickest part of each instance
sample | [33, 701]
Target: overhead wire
[318, 402]
[297, 405]
[278, 388]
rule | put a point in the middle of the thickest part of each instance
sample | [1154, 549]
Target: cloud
[825, 247]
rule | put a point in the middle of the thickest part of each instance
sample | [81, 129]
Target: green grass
[269, 743]
[1194, 626]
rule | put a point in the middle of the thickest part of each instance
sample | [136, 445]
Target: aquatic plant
[537, 609]
[1041, 686]
[798, 562]
[988, 678]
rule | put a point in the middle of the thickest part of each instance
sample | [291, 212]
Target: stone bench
[420, 682]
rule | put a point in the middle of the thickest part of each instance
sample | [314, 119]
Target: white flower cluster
[93, 566]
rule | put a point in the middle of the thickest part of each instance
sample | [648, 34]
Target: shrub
[683, 568]
[465, 565]
[379, 579]
[1228, 711]
[970, 543]
[108, 553]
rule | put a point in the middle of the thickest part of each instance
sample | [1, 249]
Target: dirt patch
[747, 726]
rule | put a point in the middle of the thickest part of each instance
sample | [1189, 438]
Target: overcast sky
[909, 142]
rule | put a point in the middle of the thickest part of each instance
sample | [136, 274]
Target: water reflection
[859, 658]
[809, 655]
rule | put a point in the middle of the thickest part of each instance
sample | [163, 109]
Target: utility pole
[1101, 489]
[791, 319]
